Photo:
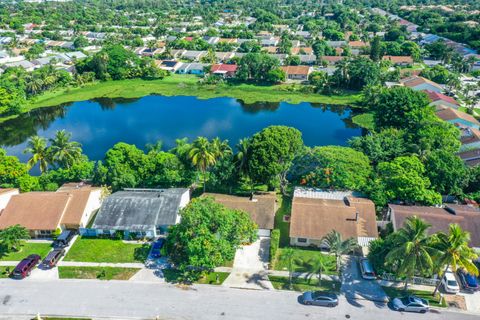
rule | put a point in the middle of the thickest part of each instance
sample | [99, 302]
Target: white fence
[414, 280]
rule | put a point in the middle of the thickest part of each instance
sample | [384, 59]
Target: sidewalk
[100, 264]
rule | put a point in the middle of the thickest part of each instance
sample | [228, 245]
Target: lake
[99, 124]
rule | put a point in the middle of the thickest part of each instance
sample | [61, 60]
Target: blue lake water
[101, 123]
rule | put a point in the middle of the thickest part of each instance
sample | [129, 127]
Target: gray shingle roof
[139, 209]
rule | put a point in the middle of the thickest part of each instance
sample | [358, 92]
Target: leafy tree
[272, 152]
[404, 179]
[256, 66]
[276, 75]
[356, 73]
[202, 156]
[80, 42]
[376, 49]
[249, 46]
[62, 151]
[454, 252]
[434, 135]
[37, 147]
[446, 171]
[289, 256]
[10, 169]
[319, 80]
[11, 237]
[333, 240]
[414, 250]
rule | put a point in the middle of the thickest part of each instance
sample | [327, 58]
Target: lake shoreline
[183, 85]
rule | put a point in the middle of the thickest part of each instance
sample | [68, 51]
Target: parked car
[156, 248]
[320, 298]
[450, 284]
[23, 269]
[410, 304]
[52, 258]
[469, 282]
[366, 269]
[63, 240]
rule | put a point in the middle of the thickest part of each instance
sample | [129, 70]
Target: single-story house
[332, 60]
[308, 59]
[457, 117]
[297, 72]
[168, 65]
[43, 213]
[193, 55]
[261, 208]
[302, 50]
[315, 213]
[468, 217]
[357, 44]
[441, 99]
[470, 157]
[142, 212]
[192, 68]
[399, 60]
[336, 44]
[5, 195]
[224, 70]
[419, 83]
[224, 56]
[470, 139]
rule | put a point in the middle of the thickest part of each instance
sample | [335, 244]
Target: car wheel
[308, 303]
[423, 311]
[331, 305]
[401, 309]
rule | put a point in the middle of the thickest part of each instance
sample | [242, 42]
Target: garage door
[264, 232]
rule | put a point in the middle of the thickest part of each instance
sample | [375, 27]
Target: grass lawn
[101, 273]
[56, 318]
[364, 120]
[302, 258]
[171, 275]
[107, 250]
[427, 295]
[185, 85]
[27, 249]
[301, 284]
[4, 273]
[284, 209]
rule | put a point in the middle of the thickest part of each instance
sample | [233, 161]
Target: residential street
[122, 299]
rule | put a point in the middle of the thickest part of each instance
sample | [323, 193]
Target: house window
[302, 240]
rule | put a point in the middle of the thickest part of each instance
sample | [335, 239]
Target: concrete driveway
[355, 287]
[250, 267]
[472, 301]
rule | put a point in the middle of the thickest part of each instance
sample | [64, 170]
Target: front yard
[172, 276]
[394, 292]
[107, 250]
[303, 260]
[302, 284]
[100, 273]
[26, 249]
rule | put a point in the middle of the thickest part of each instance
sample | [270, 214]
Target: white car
[450, 283]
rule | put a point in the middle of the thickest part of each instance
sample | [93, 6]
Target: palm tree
[455, 252]
[37, 147]
[315, 267]
[339, 246]
[414, 252]
[289, 254]
[242, 158]
[202, 156]
[63, 151]
[221, 148]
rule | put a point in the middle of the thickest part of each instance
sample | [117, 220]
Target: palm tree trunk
[439, 280]
[204, 181]
[406, 284]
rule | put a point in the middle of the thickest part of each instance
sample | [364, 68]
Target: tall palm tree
[338, 246]
[315, 267]
[37, 147]
[414, 251]
[202, 156]
[241, 159]
[63, 151]
[455, 252]
[221, 148]
[289, 255]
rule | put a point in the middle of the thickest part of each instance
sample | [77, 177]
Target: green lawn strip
[172, 275]
[302, 258]
[364, 120]
[107, 250]
[284, 209]
[101, 273]
[27, 249]
[302, 284]
[5, 271]
[393, 292]
[61, 318]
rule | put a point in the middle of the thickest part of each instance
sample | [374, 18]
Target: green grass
[302, 260]
[393, 292]
[172, 275]
[364, 120]
[27, 249]
[101, 273]
[107, 250]
[180, 85]
[284, 209]
[5, 271]
[302, 284]
[56, 318]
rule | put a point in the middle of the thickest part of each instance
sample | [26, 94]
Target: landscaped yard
[27, 249]
[172, 275]
[101, 273]
[284, 209]
[4, 273]
[303, 259]
[302, 284]
[393, 292]
[107, 250]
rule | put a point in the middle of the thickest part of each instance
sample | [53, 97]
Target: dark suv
[23, 269]
[63, 240]
[52, 258]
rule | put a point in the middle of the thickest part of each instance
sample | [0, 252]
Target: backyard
[284, 209]
[100, 273]
[107, 250]
[26, 249]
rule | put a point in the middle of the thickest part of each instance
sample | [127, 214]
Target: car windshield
[317, 295]
[452, 283]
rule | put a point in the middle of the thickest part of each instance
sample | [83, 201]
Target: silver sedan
[320, 298]
[411, 304]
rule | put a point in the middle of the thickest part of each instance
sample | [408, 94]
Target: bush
[274, 243]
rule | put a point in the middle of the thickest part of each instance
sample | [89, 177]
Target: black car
[156, 248]
[52, 258]
[63, 240]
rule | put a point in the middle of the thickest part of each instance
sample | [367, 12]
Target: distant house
[316, 213]
[457, 117]
[168, 65]
[399, 60]
[336, 44]
[141, 212]
[332, 60]
[470, 139]
[441, 99]
[299, 73]
[261, 208]
[440, 219]
[308, 59]
[192, 68]
[193, 55]
[5, 195]
[224, 70]
[421, 84]
[470, 157]
[224, 56]
[357, 44]
[302, 50]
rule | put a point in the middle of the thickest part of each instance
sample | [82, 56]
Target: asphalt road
[142, 300]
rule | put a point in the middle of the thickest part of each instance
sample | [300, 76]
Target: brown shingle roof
[447, 113]
[303, 70]
[76, 207]
[261, 210]
[398, 59]
[416, 81]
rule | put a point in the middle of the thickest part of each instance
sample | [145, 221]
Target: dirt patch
[455, 301]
